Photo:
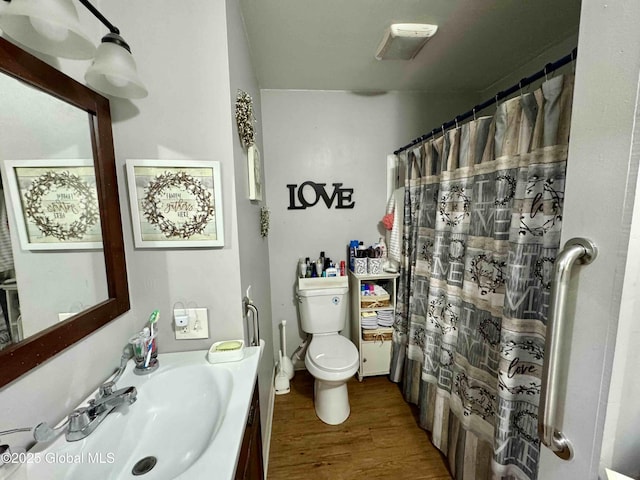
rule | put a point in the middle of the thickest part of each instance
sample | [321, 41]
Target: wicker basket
[379, 334]
[375, 301]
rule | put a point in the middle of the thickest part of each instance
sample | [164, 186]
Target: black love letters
[309, 194]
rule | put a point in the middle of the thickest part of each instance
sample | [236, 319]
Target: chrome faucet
[84, 420]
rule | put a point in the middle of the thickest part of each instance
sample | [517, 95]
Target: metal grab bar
[575, 250]
[250, 307]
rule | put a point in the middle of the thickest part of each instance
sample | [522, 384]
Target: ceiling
[330, 44]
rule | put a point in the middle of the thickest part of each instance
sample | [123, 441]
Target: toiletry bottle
[309, 269]
[332, 271]
[383, 247]
[353, 246]
[342, 268]
[319, 267]
[302, 268]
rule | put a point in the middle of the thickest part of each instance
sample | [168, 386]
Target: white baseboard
[266, 435]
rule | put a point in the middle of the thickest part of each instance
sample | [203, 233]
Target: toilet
[331, 358]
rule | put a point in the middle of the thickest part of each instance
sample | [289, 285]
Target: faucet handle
[106, 389]
[79, 419]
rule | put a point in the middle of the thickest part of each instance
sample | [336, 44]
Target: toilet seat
[333, 354]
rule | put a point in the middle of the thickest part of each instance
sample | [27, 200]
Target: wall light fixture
[52, 27]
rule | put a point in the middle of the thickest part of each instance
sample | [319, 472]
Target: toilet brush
[281, 381]
[285, 362]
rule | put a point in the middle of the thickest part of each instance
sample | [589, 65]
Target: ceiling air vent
[403, 41]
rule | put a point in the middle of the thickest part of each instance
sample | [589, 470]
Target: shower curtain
[482, 219]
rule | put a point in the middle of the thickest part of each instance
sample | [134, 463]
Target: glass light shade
[47, 26]
[114, 72]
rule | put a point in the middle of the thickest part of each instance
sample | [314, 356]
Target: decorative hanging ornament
[245, 118]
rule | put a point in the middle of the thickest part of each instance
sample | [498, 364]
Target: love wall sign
[309, 193]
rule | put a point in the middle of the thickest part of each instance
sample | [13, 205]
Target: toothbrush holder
[140, 345]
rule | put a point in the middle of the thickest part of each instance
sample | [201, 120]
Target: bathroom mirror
[46, 153]
[104, 268]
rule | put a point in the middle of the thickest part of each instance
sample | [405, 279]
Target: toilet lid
[333, 353]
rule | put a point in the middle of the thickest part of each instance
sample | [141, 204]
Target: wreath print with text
[454, 206]
[178, 205]
[61, 205]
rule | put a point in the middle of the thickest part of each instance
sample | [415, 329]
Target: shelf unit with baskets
[374, 345]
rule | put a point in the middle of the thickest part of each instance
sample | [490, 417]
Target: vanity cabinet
[374, 346]
[250, 462]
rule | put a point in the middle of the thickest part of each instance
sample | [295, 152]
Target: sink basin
[187, 423]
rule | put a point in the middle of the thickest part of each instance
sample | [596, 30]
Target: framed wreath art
[175, 203]
[55, 203]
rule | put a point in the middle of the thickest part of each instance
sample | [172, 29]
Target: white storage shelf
[375, 355]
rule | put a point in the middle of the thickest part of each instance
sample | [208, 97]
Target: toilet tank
[323, 310]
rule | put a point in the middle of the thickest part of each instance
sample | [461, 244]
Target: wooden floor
[379, 440]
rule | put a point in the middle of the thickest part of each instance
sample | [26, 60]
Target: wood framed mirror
[18, 358]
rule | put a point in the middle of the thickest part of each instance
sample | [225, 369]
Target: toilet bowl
[332, 360]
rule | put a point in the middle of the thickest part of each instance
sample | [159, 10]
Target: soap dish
[226, 351]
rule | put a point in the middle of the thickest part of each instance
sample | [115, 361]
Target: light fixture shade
[403, 41]
[47, 26]
[114, 71]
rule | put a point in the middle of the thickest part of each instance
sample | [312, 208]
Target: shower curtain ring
[474, 114]
[456, 120]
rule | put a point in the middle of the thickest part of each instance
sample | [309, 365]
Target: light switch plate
[198, 326]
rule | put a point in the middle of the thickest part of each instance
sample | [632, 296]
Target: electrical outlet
[198, 326]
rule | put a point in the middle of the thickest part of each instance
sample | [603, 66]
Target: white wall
[334, 137]
[182, 56]
[253, 248]
[621, 442]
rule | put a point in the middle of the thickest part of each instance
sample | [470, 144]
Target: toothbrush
[152, 319]
[148, 357]
[155, 315]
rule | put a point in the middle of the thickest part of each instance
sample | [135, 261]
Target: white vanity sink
[189, 416]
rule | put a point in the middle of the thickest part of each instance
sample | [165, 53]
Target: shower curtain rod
[548, 68]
